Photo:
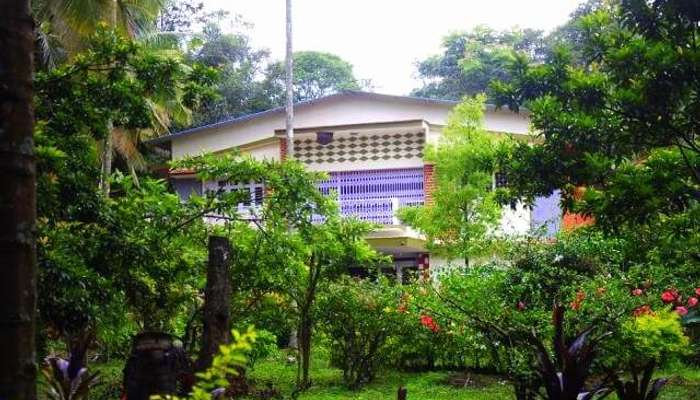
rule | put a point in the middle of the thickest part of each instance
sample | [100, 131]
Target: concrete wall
[336, 111]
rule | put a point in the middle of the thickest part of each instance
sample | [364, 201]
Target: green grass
[327, 383]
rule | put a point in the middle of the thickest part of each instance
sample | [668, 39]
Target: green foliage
[239, 88]
[471, 60]
[656, 336]
[286, 252]
[316, 74]
[265, 345]
[358, 316]
[619, 125]
[463, 215]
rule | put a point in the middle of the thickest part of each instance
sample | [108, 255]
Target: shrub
[358, 316]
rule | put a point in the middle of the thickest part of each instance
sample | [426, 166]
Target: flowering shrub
[359, 316]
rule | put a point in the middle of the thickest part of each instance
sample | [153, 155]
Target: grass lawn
[327, 384]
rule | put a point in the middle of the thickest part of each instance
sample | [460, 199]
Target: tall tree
[239, 64]
[316, 74]
[17, 204]
[470, 60]
[459, 221]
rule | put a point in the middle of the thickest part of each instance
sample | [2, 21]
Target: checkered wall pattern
[354, 147]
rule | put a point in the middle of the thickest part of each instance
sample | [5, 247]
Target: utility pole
[289, 64]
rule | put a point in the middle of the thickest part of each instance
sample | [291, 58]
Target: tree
[178, 16]
[316, 74]
[619, 134]
[239, 89]
[637, 102]
[459, 221]
[294, 254]
[64, 27]
[83, 274]
[471, 60]
[17, 204]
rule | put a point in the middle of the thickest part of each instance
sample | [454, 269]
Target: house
[371, 145]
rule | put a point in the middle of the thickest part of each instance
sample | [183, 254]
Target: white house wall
[337, 111]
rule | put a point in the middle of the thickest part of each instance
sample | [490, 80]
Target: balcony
[375, 196]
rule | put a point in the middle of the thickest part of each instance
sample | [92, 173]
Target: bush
[358, 316]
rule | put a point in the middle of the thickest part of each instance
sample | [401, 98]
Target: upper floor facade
[372, 147]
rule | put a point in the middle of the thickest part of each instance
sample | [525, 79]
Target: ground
[327, 383]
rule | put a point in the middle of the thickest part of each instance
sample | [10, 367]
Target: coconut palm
[62, 29]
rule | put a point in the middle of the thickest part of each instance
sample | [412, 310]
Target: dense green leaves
[460, 223]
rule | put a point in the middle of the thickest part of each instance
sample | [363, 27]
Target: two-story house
[371, 145]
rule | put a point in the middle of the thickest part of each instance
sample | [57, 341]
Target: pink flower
[692, 301]
[697, 291]
[681, 310]
[637, 292]
[668, 296]
[521, 306]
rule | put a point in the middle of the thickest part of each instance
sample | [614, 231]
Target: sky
[383, 39]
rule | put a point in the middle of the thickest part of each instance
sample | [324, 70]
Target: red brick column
[428, 182]
[283, 149]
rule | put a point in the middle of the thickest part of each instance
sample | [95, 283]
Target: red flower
[642, 310]
[521, 306]
[576, 304]
[428, 322]
[697, 291]
[692, 301]
[669, 296]
[637, 292]
[681, 310]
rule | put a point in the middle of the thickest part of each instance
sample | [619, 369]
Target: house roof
[304, 104]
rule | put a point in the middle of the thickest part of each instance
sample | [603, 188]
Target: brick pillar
[424, 265]
[428, 182]
[283, 148]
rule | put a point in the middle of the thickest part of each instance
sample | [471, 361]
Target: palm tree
[64, 25]
[62, 29]
[17, 204]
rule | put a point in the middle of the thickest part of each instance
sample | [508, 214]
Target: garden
[144, 294]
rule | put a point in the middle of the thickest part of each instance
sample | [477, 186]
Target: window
[255, 192]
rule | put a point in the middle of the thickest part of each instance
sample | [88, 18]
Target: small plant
[641, 387]
[565, 376]
[69, 379]
[359, 316]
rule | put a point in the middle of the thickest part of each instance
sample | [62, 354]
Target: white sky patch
[383, 39]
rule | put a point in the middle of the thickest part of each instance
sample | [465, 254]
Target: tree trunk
[217, 302]
[152, 367]
[305, 350]
[17, 204]
[106, 160]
